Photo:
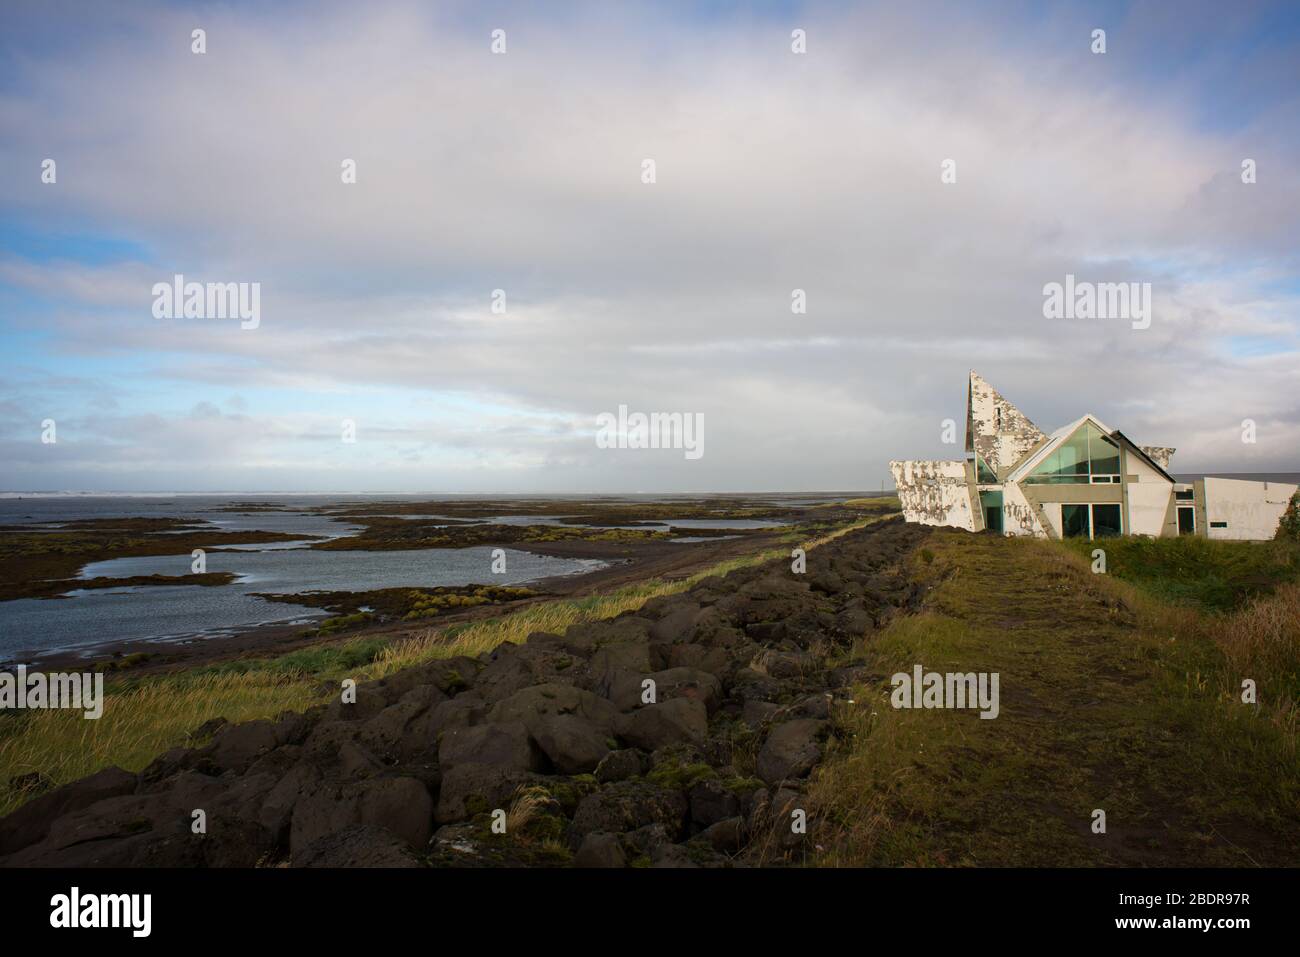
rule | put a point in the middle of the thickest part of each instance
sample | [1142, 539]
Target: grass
[1111, 698]
[144, 716]
[1200, 572]
[137, 725]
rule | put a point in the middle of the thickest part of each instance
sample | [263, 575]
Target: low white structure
[1085, 479]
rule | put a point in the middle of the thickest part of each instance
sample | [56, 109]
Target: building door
[991, 503]
[1186, 520]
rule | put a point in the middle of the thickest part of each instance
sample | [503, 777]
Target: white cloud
[521, 172]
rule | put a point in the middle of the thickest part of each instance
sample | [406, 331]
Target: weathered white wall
[1148, 498]
[934, 492]
[999, 432]
[1251, 509]
[1053, 512]
[1018, 516]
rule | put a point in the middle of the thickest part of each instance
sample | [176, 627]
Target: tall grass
[138, 723]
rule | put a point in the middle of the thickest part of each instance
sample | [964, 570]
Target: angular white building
[1084, 480]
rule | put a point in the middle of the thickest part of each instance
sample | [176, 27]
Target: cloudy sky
[522, 171]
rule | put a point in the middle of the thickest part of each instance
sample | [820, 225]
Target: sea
[87, 619]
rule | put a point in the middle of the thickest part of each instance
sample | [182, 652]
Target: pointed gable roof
[996, 430]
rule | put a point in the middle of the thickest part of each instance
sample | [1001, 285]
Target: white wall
[1148, 498]
[1251, 509]
[1053, 512]
[934, 492]
[1018, 517]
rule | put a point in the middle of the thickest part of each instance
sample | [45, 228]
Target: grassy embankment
[145, 716]
[1119, 691]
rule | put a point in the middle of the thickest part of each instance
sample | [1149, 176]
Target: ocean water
[91, 617]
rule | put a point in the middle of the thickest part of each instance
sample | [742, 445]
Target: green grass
[1109, 699]
[1194, 571]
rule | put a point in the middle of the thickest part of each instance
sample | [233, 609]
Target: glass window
[1074, 521]
[983, 474]
[1106, 521]
[1084, 457]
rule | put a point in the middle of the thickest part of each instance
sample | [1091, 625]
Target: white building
[1085, 479]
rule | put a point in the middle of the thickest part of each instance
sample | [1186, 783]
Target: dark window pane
[1074, 521]
[1105, 521]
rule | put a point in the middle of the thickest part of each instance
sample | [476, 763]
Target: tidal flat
[113, 579]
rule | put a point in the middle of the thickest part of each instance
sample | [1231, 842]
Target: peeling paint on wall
[1160, 454]
[999, 432]
[933, 492]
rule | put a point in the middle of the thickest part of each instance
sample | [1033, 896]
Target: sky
[523, 171]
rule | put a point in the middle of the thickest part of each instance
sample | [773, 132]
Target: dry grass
[137, 724]
[528, 803]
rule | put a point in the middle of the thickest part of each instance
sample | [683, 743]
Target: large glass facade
[1089, 455]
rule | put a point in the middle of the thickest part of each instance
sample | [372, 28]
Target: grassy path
[1107, 702]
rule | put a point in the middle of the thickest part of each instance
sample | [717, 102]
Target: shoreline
[627, 565]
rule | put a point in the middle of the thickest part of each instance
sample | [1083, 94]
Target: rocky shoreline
[680, 734]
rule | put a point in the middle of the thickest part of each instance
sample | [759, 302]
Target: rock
[671, 855]
[621, 765]
[791, 750]
[756, 713]
[504, 745]
[677, 624]
[629, 805]
[573, 745]
[237, 746]
[470, 789]
[531, 704]
[790, 664]
[600, 850]
[618, 662]
[31, 822]
[383, 734]
[359, 845]
[676, 721]
[711, 802]
[714, 660]
[355, 761]
[400, 805]
[207, 729]
[627, 690]
[725, 836]
[319, 812]
[422, 734]
[277, 806]
[812, 706]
